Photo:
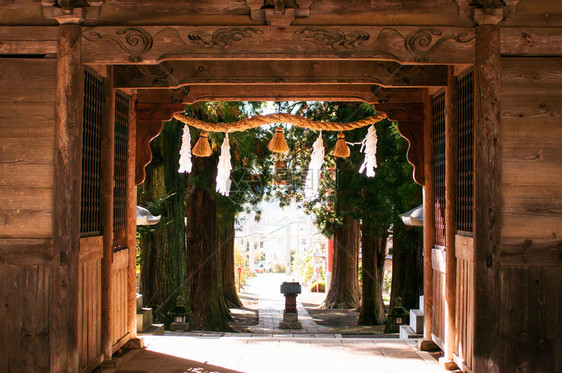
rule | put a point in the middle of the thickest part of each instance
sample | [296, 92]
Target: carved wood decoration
[409, 118]
[149, 125]
[175, 74]
[153, 44]
[295, 92]
[280, 13]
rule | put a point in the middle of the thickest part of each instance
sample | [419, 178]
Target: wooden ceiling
[322, 12]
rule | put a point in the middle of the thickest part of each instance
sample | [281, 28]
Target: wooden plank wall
[531, 252]
[27, 130]
[464, 317]
[119, 295]
[89, 307]
[438, 322]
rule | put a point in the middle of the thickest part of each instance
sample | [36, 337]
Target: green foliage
[278, 268]
[240, 261]
[321, 286]
[303, 265]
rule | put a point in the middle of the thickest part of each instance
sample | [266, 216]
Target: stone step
[406, 332]
[416, 321]
[144, 319]
[139, 302]
[154, 329]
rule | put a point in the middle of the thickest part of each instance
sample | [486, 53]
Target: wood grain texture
[464, 248]
[487, 198]
[451, 178]
[119, 299]
[24, 319]
[154, 44]
[149, 120]
[27, 129]
[410, 121]
[66, 218]
[176, 74]
[290, 92]
[428, 216]
[107, 190]
[131, 222]
[531, 41]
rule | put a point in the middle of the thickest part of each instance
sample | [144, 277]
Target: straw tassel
[278, 144]
[185, 151]
[341, 149]
[202, 148]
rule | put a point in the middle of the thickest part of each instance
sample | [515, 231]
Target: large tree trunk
[344, 289]
[162, 246]
[204, 285]
[407, 275]
[226, 246]
[373, 247]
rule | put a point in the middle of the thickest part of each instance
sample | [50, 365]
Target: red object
[330, 254]
[291, 302]
[239, 275]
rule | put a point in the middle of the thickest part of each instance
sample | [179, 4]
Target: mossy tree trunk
[407, 275]
[204, 285]
[373, 246]
[226, 246]
[344, 289]
[162, 246]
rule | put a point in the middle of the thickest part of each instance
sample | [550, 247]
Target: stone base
[290, 325]
[134, 344]
[178, 326]
[448, 364]
[290, 321]
[114, 362]
[427, 345]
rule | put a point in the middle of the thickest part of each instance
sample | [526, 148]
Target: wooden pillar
[428, 222]
[107, 181]
[487, 198]
[450, 215]
[131, 222]
[66, 214]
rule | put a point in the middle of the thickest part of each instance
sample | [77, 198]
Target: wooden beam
[410, 121]
[428, 217]
[308, 92]
[107, 182]
[487, 199]
[175, 74]
[149, 120]
[451, 157]
[531, 41]
[66, 215]
[22, 40]
[154, 44]
[131, 222]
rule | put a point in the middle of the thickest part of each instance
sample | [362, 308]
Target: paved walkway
[271, 304]
[213, 353]
[270, 350]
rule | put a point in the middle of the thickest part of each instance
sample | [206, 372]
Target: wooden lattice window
[465, 92]
[90, 221]
[438, 108]
[120, 170]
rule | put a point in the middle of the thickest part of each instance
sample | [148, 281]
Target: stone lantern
[178, 315]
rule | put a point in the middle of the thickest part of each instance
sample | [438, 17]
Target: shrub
[321, 287]
[278, 268]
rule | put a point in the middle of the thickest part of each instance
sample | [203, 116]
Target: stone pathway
[271, 304]
[260, 353]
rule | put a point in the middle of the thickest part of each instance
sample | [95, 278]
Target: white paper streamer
[185, 151]
[314, 167]
[224, 168]
[370, 149]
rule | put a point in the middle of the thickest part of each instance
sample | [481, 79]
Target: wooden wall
[27, 129]
[119, 295]
[531, 252]
[89, 303]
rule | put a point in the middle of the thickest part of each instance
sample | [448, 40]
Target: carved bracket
[410, 120]
[150, 118]
[71, 11]
[282, 13]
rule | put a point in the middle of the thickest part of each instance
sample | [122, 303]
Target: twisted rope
[260, 120]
